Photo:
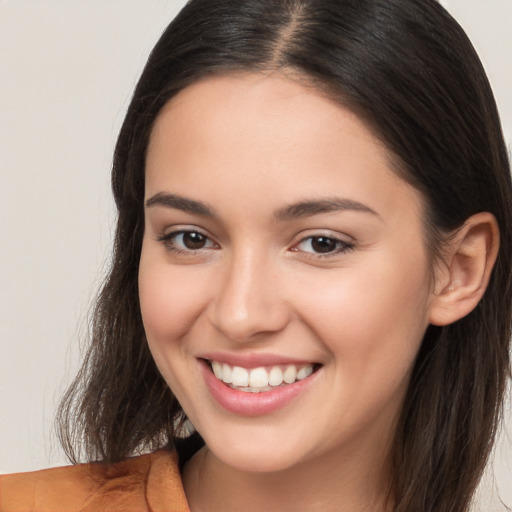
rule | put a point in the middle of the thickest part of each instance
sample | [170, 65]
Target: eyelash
[169, 241]
[341, 246]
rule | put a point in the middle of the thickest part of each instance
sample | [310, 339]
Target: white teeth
[227, 374]
[260, 379]
[304, 372]
[275, 376]
[217, 369]
[290, 374]
[240, 376]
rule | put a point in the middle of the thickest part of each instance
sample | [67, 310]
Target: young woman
[309, 306]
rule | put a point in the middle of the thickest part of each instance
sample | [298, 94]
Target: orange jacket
[149, 483]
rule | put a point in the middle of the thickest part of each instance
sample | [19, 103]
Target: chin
[255, 460]
[257, 450]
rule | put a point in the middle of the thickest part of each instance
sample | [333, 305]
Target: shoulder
[147, 482]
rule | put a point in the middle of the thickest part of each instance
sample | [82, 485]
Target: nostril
[247, 304]
[247, 323]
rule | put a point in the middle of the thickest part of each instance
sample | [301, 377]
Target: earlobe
[468, 263]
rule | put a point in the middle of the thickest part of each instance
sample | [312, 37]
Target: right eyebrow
[309, 208]
[180, 203]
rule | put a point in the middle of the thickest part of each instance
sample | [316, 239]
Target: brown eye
[193, 240]
[323, 244]
[186, 241]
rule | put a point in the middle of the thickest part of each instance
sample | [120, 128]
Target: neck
[353, 481]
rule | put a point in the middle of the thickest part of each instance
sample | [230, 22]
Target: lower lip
[253, 404]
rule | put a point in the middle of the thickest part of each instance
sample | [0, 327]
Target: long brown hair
[407, 69]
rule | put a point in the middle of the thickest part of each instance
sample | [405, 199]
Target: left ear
[463, 275]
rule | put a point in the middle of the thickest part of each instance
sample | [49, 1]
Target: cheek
[170, 301]
[372, 318]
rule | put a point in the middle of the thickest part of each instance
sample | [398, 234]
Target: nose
[249, 302]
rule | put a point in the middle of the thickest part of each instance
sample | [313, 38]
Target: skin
[249, 146]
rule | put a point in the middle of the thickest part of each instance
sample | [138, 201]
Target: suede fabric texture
[145, 483]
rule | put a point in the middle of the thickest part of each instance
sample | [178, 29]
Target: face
[280, 245]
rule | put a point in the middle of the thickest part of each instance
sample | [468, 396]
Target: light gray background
[67, 70]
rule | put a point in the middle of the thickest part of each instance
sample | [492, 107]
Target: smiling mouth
[261, 379]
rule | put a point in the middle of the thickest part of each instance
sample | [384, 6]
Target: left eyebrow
[312, 207]
[180, 203]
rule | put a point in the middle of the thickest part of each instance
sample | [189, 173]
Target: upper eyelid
[347, 243]
[327, 233]
[176, 230]
[331, 237]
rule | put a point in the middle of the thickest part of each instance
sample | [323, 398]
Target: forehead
[258, 135]
[261, 100]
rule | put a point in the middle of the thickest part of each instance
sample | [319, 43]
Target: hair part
[409, 72]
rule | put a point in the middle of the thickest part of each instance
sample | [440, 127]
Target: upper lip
[253, 360]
